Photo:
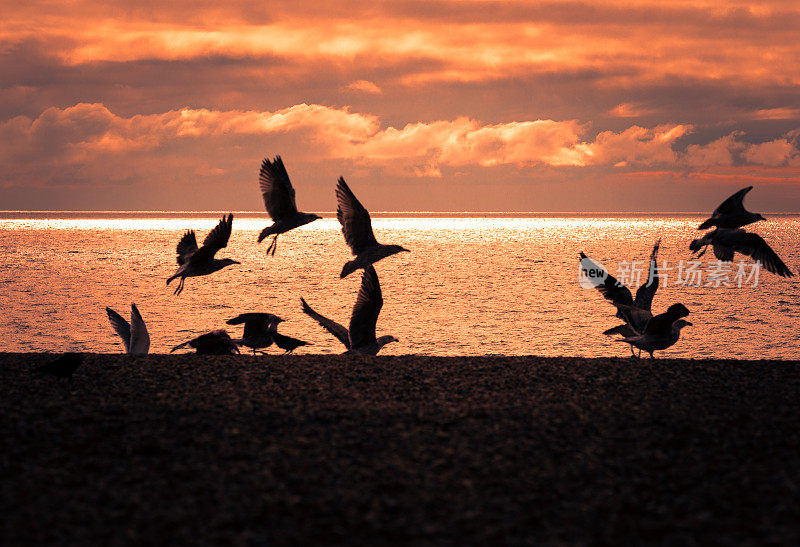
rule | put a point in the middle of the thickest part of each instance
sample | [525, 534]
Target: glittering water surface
[471, 285]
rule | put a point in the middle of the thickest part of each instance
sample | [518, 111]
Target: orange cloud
[635, 145]
[82, 135]
[365, 86]
[683, 39]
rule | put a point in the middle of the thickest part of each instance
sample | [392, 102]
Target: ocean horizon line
[20, 213]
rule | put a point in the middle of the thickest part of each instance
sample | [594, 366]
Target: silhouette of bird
[619, 295]
[357, 230]
[134, 334]
[64, 366]
[731, 213]
[726, 242]
[216, 342]
[287, 343]
[259, 329]
[279, 199]
[661, 331]
[360, 337]
[194, 262]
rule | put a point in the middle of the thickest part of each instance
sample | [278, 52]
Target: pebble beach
[344, 450]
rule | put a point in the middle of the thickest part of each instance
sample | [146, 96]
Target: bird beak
[236, 262]
[406, 250]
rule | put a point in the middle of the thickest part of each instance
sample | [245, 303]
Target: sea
[473, 283]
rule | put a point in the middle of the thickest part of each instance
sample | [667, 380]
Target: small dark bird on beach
[279, 200]
[64, 366]
[661, 331]
[216, 342]
[360, 337]
[357, 230]
[287, 343]
[194, 262]
[134, 334]
[259, 329]
[619, 295]
[726, 242]
[731, 213]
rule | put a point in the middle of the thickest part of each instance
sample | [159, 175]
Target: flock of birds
[650, 333]
[641, 329]
[261, 329]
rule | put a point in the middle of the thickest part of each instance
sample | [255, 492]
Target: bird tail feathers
[179, 346]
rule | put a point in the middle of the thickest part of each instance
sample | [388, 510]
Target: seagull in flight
[216, 342]
[357, 230]
[731, 213]
[278, 193]
[134, 334]
[193, 262]
[360, 337]
[619, 295]
[661, 331]
[259, 329]
[726, 242]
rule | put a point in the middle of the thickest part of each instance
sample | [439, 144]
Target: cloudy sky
[645, 105]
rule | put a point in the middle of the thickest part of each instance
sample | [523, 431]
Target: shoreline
[400, 449]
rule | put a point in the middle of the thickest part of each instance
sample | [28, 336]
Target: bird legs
[179, 288]
[273, 246]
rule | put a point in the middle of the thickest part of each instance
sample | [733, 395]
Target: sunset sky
[642, 105]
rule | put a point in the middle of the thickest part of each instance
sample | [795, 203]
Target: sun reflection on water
[471, 285]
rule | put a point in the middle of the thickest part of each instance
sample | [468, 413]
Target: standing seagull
[360, 337]
[259, 329]
[727, 242]
[731, 213]
[278, 193]
[216, 342]
[193, 262]
[134, 334]
[662, 331]
[619, 295]
[357, 230]
[287, 343]
[63, 366]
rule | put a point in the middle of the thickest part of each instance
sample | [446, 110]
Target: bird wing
[354, 218]
[121, 326]
[215, 240]
[645, 294]
[369, 302]
[635, 318]
[660, 324]
[754, 246]
[253, 317]
[732, 205]
[337, 330]
[611, 289]
[276, 189]
[187, 246]
[723, 252]
[140, 338]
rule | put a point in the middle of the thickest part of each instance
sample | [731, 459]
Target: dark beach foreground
[400, 450]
